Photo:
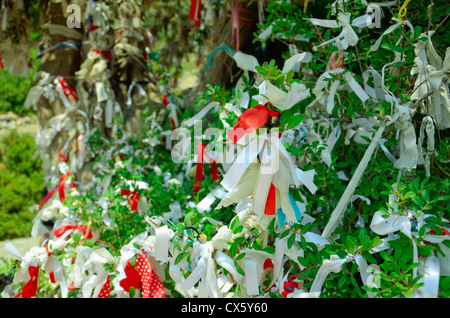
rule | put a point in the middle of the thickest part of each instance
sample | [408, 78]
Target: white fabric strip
[343, 201]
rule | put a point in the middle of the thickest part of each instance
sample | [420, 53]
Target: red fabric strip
[67, 89]
[134, 198]
[271, 201]
[30, 288]
[63, 229]
[195, 12]
[251, 120]
[46, 198]
[199, 171]
[61, 186]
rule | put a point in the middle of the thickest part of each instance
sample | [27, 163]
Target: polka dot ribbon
[106, 289]
[142, 276]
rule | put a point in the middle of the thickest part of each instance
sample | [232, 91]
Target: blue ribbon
[226, 48]
[76, 45]
[282, 216]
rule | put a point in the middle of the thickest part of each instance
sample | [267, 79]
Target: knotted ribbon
[250, 121]
[105, 53]
[134, 198]
[63, 229]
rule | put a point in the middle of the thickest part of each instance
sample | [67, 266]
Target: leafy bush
[21, 184]
[355, 259]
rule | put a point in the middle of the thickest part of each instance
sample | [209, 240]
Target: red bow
[104, 53]
[195, 12]
[199, 171]
[134, 199]
[63, 229]
[61, 185]
[67, 89]
[251, 120]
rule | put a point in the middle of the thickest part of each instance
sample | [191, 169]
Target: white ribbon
[392, 224]
[427, 127]
[343, 201]
[348, 35]
[130, 91]
[203, 271]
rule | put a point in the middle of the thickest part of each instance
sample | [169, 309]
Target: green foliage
[13, 92]
[21, 184]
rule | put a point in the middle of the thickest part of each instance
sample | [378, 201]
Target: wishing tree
[313, 164]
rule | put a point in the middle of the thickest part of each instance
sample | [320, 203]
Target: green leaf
[386, 256]
[269, 249]
[295, 121]
[304, 274]
[234, 223]
[233, 249]
[240, 256]
[425, 195]
[417, 31]
[291, 240]
[303, 261]
[285, 233]
[187, 218]
[238, 229]
[239, 268]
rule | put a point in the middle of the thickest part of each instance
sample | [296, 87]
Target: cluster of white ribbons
[430, 267]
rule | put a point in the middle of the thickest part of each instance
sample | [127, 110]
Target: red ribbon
[142, 276]
[195, 12]
[61, 156]
[199, 171]
[63, 229]
[106, 289]
[46, 198]
[235, 23]
[132, 278]
[61, 185]
[67, 89]
[92, 27]
[166, 103]
[30, 288]
[1, 61]
[104, 53]
[134, 198]
[251, 120]
[271, 201]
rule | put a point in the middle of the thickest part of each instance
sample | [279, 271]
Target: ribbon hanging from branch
[62, 184]
[195, 12]
[199, 171]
